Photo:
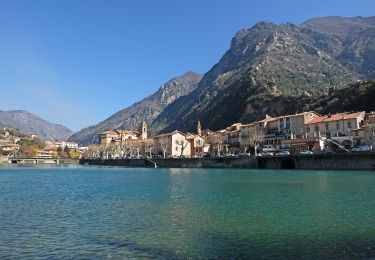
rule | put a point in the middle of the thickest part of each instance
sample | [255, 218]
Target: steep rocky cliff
[357, 39]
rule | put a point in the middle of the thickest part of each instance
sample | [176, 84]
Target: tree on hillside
[27, 151]
[66, 151]
[2, 152]
[74, 153]
[61, 153]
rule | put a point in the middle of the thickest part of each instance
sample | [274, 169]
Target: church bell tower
[143, 130]
[199, 128]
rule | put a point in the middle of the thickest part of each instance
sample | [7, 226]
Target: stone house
[196, 144]
[172, 144]
[288, 127]
[120, 136]
[366, 133]
[337, 127]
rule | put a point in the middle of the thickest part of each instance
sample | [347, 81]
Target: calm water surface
[96, 213]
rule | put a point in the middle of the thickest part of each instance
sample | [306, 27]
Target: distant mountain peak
[29, 122]
[340, 26]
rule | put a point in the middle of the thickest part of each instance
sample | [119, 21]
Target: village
[15, 144]
[300, 133]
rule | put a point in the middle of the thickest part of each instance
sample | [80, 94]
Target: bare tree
[92, 152]
[218, 147]
[134, 148]
[163, 146]
[255, 139]
[183, 145]
[103, 151]
[148, 149]
[124, 149]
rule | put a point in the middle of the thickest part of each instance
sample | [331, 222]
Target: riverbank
[358, 161]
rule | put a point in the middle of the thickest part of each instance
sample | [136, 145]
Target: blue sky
[76, 62]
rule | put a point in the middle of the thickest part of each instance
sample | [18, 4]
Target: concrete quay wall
[349, 161]
[176, 163]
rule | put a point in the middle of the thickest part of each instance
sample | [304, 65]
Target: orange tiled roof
[335, 117]
[171, 133]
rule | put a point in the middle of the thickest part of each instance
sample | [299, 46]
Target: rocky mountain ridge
[28, 122]
[145, 110]
[268, 69]
[262, 63]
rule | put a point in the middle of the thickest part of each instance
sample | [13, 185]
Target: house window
[176, 141]
[198, 142]
[327, 126]
[176, 148]
[307, 129]
[349, 124]
[356, 133]
[337, 126]
[316, 128]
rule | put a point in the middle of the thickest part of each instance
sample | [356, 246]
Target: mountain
[147, 109]
[358, 96]
[269, 63]
[355, 97]
[28, 122]
[357, 38]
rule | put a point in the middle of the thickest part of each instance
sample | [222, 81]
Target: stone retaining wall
[176, 163]
[350, 161]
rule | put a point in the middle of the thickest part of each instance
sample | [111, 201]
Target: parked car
[268, 148]
[362, 148]
[264, 153]
[281, 153]
[229, 155]
[243, 155]
[305, 152]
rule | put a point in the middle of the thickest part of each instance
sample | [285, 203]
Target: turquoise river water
[123, 213]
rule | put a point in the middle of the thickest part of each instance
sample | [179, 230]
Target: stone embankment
[249, 162]
[360, 161]
[345, 161]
